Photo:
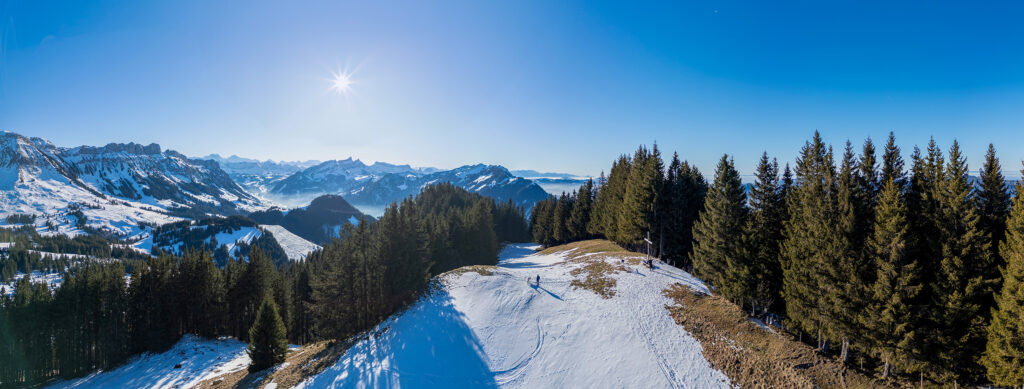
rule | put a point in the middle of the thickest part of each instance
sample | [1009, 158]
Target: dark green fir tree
[719, 257]
[1004, 353]
[268, 342]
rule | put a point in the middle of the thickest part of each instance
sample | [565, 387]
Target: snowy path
[500, 331]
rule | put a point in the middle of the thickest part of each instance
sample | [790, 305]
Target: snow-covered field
[500, 331]
[294, 246]
[199, 359]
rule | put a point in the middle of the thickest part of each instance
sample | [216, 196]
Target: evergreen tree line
[381, 267]
[902, 272]
[100, 315]
[640, 197]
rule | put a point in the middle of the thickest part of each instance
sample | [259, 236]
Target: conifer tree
[844, 264]
[993, 201]
[810, 237]
[268, 343]
[864, 193]
[785, 190]
[670, 211]
[922, 194]
[637, 214]
[560, 218]
[542, 221]
[961, 287]
[892, 164]
[579, 216]
[718, 254]
[1004, 353]
[609, 201]
[693, 189]
[889, 320]
[763, 234]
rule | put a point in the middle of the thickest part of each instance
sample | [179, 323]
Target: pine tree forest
[912, 271]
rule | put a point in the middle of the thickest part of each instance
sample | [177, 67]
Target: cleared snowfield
[199, 359]
[499, 331]
[294, 246]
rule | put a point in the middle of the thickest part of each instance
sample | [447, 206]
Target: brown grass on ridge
[484, 270]
[585, 247]
[597, 277]
[752, 357]
[303, 363]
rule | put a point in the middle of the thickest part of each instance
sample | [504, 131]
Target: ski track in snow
[501, 331]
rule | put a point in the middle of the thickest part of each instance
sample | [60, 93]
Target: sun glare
[341, 83]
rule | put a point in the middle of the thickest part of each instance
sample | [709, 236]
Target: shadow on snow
[428, 346]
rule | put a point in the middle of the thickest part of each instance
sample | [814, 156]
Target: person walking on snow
[538, 280]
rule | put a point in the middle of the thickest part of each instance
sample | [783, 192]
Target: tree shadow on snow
[430, 345]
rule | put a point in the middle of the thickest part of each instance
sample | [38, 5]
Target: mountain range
[123, 187]
[370, 186]
[381, 184]
[117, 187]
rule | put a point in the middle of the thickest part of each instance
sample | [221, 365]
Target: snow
[52, 280]
[200, 359]
[242, 235]
[39, 178]
[500, 331]
[294, 246]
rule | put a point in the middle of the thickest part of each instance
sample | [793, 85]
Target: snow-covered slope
[185, 365]
[117, 185]
[497, 330]
[293, 245]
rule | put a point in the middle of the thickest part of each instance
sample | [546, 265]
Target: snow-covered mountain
[258, 176]
[116, 186]
[340, 176]
[382, 183]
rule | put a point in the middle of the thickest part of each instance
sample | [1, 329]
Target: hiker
[538, 280]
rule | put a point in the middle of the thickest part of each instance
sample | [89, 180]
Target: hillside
[598, 319]
[319, 222]
[488, 327]
[227, 237]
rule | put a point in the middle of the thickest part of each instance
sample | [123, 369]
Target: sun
[341, 83]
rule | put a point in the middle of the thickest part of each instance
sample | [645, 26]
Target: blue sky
[546, 85]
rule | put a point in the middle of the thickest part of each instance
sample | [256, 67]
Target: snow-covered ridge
[498, 330]
[118, 185]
